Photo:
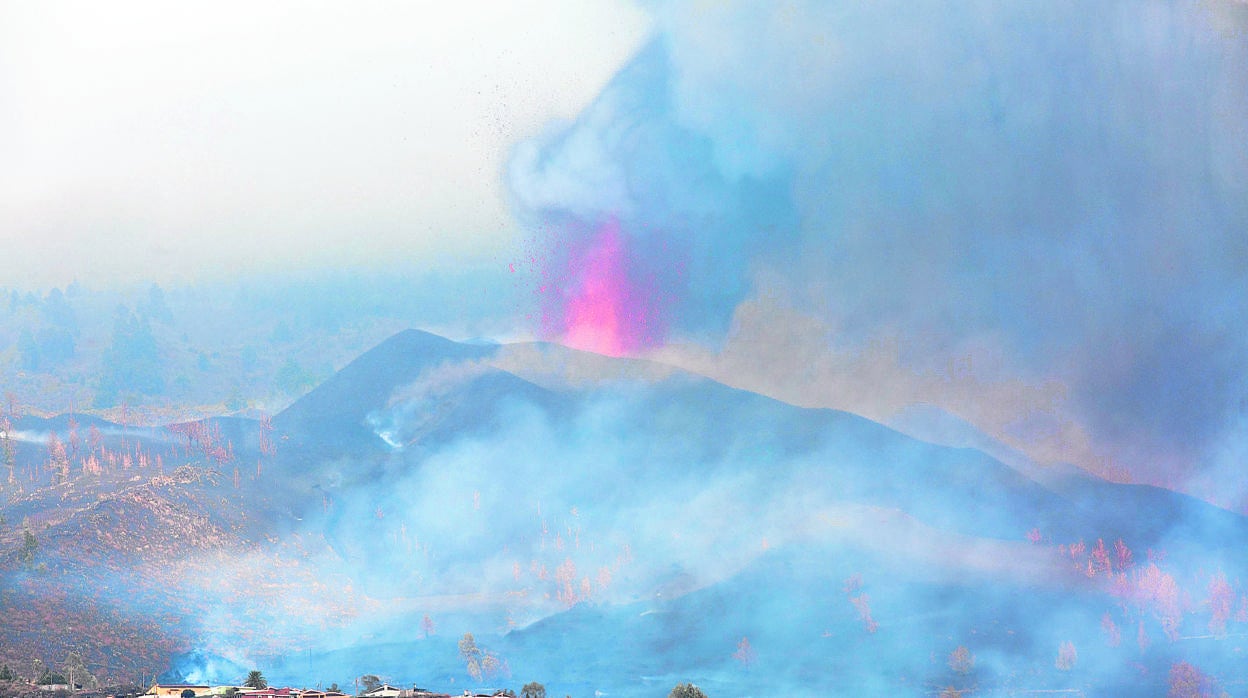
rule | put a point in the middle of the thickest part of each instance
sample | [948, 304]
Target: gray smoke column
[1066, 179]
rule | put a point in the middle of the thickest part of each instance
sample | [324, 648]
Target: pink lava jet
[600, 306]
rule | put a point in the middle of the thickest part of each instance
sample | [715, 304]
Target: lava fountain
[599, 301]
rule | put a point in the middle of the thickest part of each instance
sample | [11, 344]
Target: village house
[317, 693]
[415, 692]
[175, 690]
[269, 692]
[273, 692]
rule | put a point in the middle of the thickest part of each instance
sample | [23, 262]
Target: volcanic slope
[638, 505]
[492, 502]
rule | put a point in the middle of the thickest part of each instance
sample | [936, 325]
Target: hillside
[426, 491]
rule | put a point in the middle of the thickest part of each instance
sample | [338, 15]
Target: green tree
[10, 453]
[76, 670]
[255, 679]
[471, 654]
[468, 647]
[30, 545]
[187, 693]
[686, 690]
[533, 689]
[371, 682]
[6, 674]
[491, 666]
[47, 678]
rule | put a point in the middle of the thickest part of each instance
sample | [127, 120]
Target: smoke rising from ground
[647, 504]
[1056, 190]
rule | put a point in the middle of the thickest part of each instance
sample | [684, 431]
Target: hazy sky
[161, 140]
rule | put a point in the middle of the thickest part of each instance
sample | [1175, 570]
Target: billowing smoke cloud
[1064, 183]
[642, 217]
[646, 504]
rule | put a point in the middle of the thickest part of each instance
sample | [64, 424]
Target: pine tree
[30, 545]
[10, 453]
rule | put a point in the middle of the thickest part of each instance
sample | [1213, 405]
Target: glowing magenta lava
[600, 306]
